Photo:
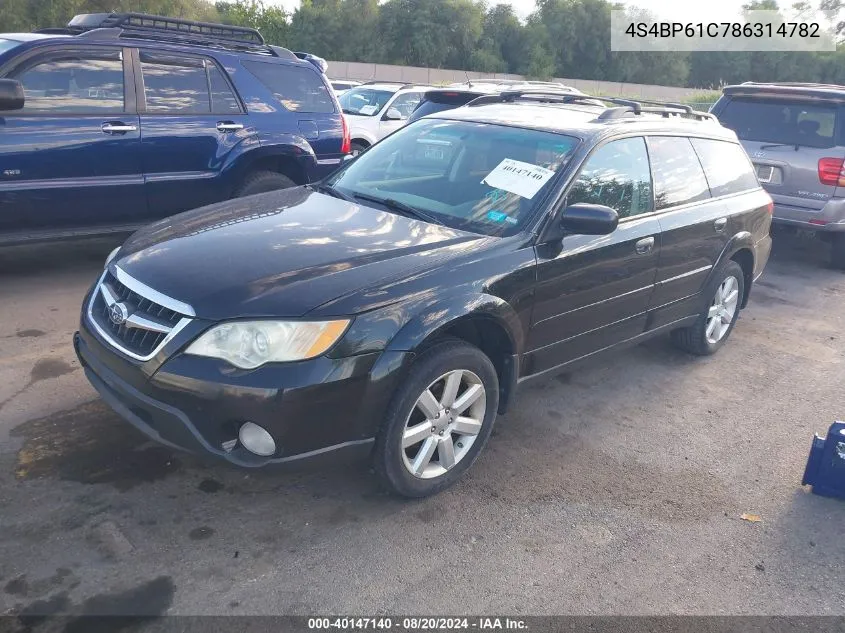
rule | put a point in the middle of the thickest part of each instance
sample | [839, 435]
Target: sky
[685, 10]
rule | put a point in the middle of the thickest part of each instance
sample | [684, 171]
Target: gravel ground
[616, 488]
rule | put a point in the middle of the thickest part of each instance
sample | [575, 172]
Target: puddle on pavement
[90, 444]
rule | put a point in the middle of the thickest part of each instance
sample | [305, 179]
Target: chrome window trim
[144, 291]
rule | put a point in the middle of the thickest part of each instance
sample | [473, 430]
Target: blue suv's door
[192, 128]
[71, 157]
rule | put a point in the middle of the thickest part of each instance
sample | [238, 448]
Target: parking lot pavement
[614, 488]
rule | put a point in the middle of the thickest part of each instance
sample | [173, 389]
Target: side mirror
[589, 219]
[11, 94]
[393, 114]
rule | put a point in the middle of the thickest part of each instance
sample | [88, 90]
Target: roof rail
[161, 28]
[402, 85]
[624, 107]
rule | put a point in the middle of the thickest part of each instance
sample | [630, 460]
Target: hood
[281, 254]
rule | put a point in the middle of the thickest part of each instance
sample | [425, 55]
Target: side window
[406, 103]
[297, 89]
[89, 82]
[678, 176]
[617, 176]
[223, 100]
[175, 84]
[726, 166]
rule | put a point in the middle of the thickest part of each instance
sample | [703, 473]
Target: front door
[594, 291]
[71, 157]
[402, 105]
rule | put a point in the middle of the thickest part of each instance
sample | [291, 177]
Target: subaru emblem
[118, 313]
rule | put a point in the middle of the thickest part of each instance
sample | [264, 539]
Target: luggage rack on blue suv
[624, 107]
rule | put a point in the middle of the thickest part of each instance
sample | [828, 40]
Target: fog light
[257, 440]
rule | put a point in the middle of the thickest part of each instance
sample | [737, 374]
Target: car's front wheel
[717, 320]
[438, 421]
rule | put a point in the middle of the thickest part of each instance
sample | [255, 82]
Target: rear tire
[438, 421]
[717, 320]
[837, 251]
[262, 182]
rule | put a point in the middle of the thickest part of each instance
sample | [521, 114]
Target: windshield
[364, 101]
[780, 121]
[6, 45]
[471, 176]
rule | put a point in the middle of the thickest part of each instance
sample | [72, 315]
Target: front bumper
[311, 408]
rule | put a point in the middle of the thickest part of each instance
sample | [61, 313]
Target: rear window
[297, 89]
[726, 166]
[781, 121]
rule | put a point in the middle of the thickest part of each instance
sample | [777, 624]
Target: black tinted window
[726, 166]
[175, 84]
[780, 121]
[223, 100]
[81, 82]
[297, 89]
[617, 176]
[678, 176]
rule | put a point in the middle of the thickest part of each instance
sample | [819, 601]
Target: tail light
[831, 172]
[770, 207]
[346, 145]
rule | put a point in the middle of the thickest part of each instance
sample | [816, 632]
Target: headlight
[250, 344]
[111, 256]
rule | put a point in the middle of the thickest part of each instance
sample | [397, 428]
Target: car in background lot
[342, 85]
[393, 308]
[795, 136]
[378, 108]
[458, 94]
[118, 120]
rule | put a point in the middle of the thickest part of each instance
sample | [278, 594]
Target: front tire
[357, 147]
[717, 320]
[438, 421]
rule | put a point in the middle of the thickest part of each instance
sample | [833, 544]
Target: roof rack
[624, 107]
[156, 27]
[402, 85]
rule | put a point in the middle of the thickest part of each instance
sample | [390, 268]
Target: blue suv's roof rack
[166, 29]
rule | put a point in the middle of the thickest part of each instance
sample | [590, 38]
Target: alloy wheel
[443, 424]
[722, 310]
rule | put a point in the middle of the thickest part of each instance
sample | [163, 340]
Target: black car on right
[394, 307]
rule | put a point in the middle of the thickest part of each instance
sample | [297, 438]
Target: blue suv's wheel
[262, 182]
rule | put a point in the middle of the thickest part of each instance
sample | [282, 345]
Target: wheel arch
[487, 322]
[740, 249]
[289, 160]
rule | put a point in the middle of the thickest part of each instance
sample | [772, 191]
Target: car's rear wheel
[717, 320]
[837, 251]
[438, 421]
[262, 182]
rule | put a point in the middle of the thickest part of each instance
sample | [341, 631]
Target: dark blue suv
[121, 119]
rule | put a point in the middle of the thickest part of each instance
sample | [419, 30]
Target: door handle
[645, 245]
[117, 127]
[720, 224]
[229, 126]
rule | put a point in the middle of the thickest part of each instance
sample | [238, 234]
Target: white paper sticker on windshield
[368, 109]
[523, 179]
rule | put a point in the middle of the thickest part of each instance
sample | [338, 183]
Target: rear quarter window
[781, 121]
[726, 166]
[297, 89]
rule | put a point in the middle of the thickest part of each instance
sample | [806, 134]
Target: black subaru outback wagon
[394, 307]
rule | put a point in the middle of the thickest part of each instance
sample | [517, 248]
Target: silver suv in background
[794, 134]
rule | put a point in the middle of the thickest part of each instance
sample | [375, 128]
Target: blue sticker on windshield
[496, 194]
[498, 216]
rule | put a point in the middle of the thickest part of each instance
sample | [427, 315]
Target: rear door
[695, 225]
[788, 139]
[191, 125]
[71, 157]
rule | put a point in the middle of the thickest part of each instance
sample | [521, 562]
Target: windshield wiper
[401, 207]
[772, 145]
[331, 191]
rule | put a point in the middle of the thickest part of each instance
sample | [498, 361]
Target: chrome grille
[134, 323]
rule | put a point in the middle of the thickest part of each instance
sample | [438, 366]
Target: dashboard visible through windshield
[364, 101]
